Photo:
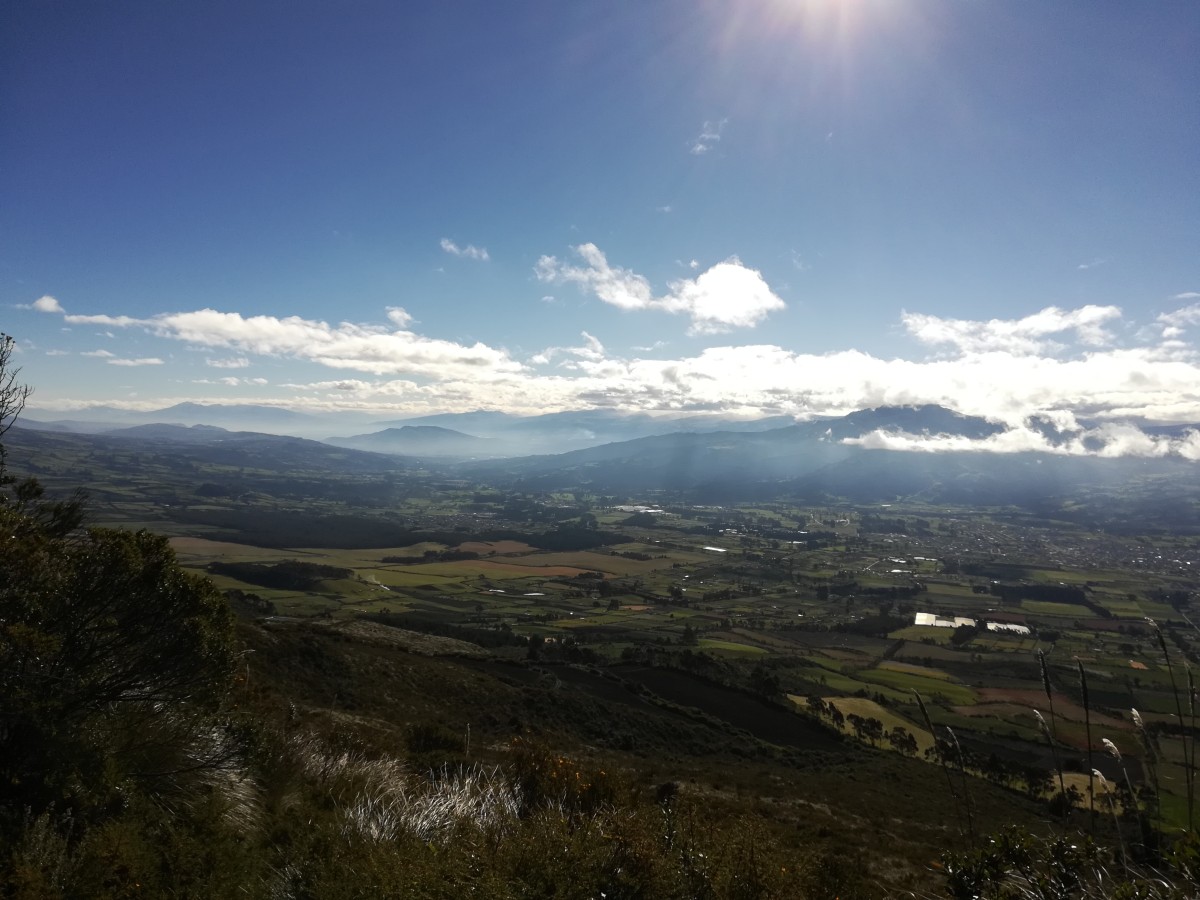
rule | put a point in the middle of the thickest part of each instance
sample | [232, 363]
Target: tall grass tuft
[1150, 757]
[941, 758]
[1062, 787]
[962, 773]
[1189, 755]
[1112, 806]
[1087, 719]
[1052, 731]
[1115, 753]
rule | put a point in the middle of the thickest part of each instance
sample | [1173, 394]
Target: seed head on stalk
[1045, 674]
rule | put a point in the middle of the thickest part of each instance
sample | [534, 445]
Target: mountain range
[510, 434]
[810, 461]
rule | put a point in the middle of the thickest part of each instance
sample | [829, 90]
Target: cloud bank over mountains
[1056, 366]
[1110, 440]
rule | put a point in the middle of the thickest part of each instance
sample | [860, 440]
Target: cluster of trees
[865, 728]
[114, 663]
[291, 575]
[432, 556]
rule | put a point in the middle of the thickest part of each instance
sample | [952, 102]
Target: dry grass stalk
[941, 761]
[1052, 733]
[1087, 720]
[1188, 755]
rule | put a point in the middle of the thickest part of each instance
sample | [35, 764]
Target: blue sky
[747, 206]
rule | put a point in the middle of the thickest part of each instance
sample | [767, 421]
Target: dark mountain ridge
[421, 440]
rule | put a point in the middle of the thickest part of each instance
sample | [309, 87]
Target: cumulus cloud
[468, 252]
[612, 284]
[1183, 317]
[236, 362]
[46, 304]
[99, 353]
[728, 295]
[142, 361]
[710, 135]
[399, 316]
[1028, 335]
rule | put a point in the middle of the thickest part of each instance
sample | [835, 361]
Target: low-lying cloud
[1028, 335]
[1109, 440]
[1040, 375]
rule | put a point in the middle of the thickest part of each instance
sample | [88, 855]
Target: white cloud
[1028, 335]
[399, 316]
[143, 361]
[103, 354]
[232, 381]
[46, 304]
[365, 348]
[346, 384]
[236, 362]
[1006, 370]
[114, 321]
[468, 252]
[1109, 440]
[592, 350]
[1090, 265]
[728, 295]
[1181, 318]
[612, 284]
[710, 135]
[58, 353]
